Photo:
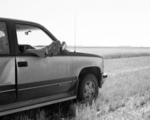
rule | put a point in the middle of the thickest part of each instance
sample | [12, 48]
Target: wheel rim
[89, 90]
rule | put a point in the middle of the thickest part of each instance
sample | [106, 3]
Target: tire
[88, 88]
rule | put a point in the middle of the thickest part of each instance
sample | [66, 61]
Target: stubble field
[125, 94]
[114, 52]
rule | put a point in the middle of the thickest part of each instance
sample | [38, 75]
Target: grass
[125, 94]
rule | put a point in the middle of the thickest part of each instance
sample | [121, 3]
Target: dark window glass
[4, 45]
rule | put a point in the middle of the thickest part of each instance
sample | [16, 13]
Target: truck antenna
[75, 31]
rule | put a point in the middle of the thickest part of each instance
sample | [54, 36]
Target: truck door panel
[43, 77]
[39, 76]
[7, 80]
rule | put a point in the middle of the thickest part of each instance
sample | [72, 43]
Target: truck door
[40, 76]
[7, 68]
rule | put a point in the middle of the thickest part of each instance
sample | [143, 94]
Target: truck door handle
[23, 64]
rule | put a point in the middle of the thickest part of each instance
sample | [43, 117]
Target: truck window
[31, 37]
[4, 45]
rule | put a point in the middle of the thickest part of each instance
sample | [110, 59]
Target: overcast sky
[90, 22]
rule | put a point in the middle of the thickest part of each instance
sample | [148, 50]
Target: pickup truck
[30, 77]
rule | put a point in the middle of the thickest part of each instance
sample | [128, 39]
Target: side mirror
[64, 45]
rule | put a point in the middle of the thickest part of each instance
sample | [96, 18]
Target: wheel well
[95, 70]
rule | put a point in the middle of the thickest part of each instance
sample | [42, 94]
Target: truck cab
[30, 77]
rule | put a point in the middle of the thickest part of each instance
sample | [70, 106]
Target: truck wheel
[88, 88]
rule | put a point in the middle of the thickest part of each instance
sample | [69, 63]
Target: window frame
[48, 33]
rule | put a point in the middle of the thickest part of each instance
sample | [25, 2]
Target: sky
[87, 22]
